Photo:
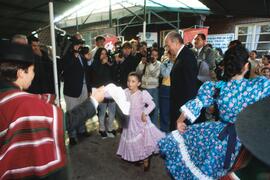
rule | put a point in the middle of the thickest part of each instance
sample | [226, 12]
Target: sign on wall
[150, 37]
[220, 40]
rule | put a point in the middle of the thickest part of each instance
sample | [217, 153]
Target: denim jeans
[164, 108]
[154, 114]
[101, 115]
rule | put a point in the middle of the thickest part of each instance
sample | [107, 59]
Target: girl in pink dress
[139, 138]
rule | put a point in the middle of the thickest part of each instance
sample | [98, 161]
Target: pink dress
[139, 139]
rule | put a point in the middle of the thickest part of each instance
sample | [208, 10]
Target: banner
[220, 40]
[109, 42]
[189, 34]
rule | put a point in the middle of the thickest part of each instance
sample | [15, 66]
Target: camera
[84, 50]
[147, 54]
[65, 42]
[118, 51]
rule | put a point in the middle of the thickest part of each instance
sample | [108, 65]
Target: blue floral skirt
[197, 153]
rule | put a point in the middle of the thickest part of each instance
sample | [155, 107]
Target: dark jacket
[122, 69]
[101, 74]
[74, 73]
[183, 83]
[43, 81]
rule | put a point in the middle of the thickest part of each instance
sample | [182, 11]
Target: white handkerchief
[119, 96]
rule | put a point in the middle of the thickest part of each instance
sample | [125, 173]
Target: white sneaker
[110, 135]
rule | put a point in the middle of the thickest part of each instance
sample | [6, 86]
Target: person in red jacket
[32, 142]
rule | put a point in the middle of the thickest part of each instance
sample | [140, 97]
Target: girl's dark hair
[8, 70]
[234, 43]
[235, 59]
[98, 53]
[139, 77]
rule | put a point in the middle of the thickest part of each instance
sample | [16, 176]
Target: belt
[228, 130]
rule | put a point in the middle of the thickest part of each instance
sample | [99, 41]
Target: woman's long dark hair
[98, 53]
[235, 59]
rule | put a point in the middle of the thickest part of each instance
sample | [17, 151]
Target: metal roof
[25, 16]
[94, 7]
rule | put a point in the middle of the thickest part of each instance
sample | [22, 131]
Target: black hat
[253, 129]
[15, 52]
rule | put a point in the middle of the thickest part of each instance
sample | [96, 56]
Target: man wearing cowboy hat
[32, 143]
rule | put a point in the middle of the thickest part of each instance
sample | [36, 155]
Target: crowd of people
[169, 90]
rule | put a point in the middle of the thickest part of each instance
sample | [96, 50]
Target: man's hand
[98, 94]
[144, 60]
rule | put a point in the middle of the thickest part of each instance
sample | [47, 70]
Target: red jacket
[31, 135]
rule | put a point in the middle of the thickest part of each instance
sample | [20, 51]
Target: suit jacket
[74, 73]
[183, 82]
[208, 55]
[122, 69]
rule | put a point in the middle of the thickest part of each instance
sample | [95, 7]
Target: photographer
[124, 63]
[75, 82]
[149, 68]
[142, 50]
[131, 60]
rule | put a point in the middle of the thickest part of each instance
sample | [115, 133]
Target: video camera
[118, 50]
[65, 42]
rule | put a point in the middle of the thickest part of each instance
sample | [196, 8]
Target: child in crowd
[265, 63]
[266, 60]
[139, 138]
[266, 72]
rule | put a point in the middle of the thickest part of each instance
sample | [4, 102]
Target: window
[255, 37]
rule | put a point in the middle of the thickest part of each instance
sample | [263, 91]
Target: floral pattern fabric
[198, 153]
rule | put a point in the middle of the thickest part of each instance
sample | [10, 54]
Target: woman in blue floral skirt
[208, 150]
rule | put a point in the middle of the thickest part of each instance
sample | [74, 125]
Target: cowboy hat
[253, 129]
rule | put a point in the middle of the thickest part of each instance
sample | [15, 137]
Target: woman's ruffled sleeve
[204, 98]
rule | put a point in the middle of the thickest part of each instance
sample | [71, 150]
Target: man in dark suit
[76, 85]
[183, 75]
[43, 81]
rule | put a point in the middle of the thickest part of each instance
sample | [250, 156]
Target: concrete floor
[96, 159]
